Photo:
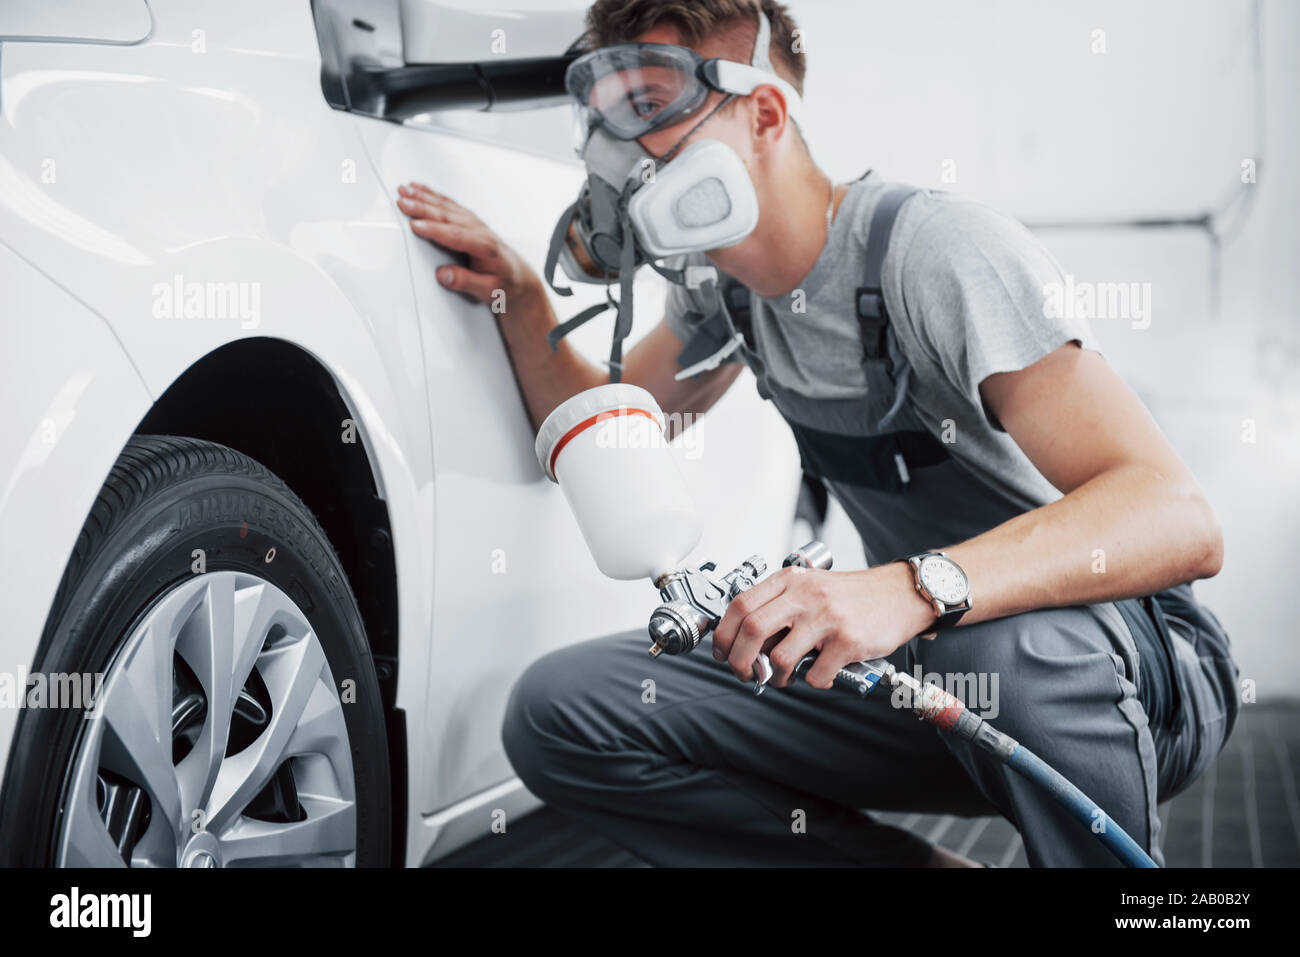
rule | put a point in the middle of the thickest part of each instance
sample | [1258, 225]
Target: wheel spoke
[235, 619]
[323, 730]
[329, 830]
[86, 841]
[138, 730]
[291, 672]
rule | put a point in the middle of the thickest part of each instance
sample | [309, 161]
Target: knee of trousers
[550, 724]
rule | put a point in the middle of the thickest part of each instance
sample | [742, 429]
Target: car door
[513, 578]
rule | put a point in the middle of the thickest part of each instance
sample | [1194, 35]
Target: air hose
[946, 712]
[1078, 804]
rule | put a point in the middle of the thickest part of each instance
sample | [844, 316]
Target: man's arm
[547, 378]
[1133, 520]
[974, 282]
[1130, 507]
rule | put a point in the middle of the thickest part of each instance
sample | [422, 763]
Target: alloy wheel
[217, 739]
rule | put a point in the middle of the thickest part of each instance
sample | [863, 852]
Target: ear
[770, 117]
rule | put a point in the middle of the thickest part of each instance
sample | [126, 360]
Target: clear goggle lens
[633, 89]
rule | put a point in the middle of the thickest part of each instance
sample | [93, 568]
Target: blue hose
[1080, 805]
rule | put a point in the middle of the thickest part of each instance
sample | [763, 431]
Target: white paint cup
[607, 450]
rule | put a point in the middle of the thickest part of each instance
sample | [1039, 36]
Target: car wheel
[235, 718]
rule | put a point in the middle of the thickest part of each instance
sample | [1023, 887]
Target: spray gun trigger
[762, 672]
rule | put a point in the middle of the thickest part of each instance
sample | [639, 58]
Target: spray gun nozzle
[676, 627]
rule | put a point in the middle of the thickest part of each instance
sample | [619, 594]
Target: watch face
[944, 580]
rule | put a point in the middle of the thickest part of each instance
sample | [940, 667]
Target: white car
[268, 496]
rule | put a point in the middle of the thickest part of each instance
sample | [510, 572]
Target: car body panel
[63, 429]
[250, 178]
[75, 21]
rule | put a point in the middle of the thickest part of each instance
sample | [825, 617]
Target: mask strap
[626, 273]
[677, 276]
[553, 251]
[563, 329]
[709, 363]
[623, 318]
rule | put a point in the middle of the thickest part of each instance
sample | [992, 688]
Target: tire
[198, 561]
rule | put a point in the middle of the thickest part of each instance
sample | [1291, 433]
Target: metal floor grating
[1242, 812]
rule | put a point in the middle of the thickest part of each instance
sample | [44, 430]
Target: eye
[645, 107]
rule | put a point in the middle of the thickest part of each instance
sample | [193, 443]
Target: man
[954, 413]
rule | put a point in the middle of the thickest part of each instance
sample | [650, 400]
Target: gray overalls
[1129, 700]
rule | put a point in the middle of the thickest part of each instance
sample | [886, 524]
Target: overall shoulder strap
[736, 297]
[870, 300]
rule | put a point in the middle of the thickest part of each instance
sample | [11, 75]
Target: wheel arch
[276, 403]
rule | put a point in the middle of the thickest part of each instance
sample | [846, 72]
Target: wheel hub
[202, 850]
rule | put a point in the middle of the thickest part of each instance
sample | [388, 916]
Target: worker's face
[730, 125]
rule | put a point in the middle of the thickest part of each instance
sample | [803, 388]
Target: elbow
[1207, 550]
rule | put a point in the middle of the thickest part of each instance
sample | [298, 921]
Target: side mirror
[396, 59]
[443, 31]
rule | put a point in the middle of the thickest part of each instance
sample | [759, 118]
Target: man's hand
[492, 264]
[846, 616]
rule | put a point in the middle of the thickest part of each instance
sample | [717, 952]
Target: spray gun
[695, 600]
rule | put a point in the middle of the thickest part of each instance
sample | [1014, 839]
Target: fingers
[421, 210]
[787, 615]
[477, 285]
[755, 631]
[476, 241]
[790, 650]
[420, 191]
[744, 603]
[442, 220]
[834, 655]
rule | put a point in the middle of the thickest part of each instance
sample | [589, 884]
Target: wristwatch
[943, 584]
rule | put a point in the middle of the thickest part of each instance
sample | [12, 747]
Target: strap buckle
[694, 277]
[873, 319]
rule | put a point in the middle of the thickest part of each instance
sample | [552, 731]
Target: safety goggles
[631, 89]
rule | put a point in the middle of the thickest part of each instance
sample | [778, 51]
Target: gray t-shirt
[964, 287]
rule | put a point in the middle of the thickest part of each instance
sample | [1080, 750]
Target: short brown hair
[622, 21]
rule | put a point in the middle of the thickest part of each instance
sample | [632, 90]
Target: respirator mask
[636, 209]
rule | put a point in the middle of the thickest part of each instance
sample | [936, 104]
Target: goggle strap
[741, 79]
[762, 56]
